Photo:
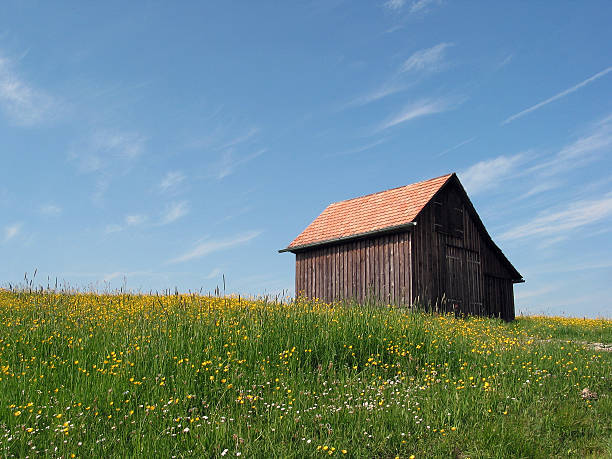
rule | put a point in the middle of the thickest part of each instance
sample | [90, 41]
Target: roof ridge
[391, 189]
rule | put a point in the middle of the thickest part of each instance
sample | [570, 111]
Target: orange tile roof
[369, 213]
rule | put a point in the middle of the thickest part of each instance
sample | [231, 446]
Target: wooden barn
[421, 243]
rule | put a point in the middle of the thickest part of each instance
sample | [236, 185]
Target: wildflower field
[125, 375]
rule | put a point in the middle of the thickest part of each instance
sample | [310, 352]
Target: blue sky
[158, 144]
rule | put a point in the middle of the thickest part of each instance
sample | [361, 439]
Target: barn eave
[389, 229]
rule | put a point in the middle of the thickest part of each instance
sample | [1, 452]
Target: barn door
[454, 286]
[463, 281]
[474, 288]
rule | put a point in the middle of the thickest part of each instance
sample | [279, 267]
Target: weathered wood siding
[455, 268]
[499, 297]
[367, 269]
[446, 262]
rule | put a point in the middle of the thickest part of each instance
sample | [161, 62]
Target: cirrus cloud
[206, 247]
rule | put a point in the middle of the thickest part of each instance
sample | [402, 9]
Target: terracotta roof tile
[372, 212]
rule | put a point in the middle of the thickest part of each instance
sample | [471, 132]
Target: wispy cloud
[232, 215]
[421, 63]
[174, 211]
[459, 145]
[233, 148]
[125, 275]
[21, 102]
[394, 5]
[224, 135]
[389, 88]
[104, 148]
[422, 5]
[593, 265]
[209, 246]
[426, 60]
[419, 109]
[417, 6]
[51, 210]
[541, 187]
[213, 274]
[525, 294]
[489, 173]
[505, 61]
[361, 148]
[557, 96]
[573, 266]
[229, 162]
[128, 221]
[171, 181]
[544, 171]
[171, 213]
[239, 139]
[135, 220]
[107, 154]
[596, 142]
[113, 228]
[576, 214]
[11, 231]
[592, 145]
[110, 276]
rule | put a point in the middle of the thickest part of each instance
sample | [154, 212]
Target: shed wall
[441, 254]
[446, 262]
[367, 269]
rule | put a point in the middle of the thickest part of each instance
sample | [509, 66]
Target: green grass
[161, 376]
[559, 328]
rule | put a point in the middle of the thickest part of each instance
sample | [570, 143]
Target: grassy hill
[85, 375]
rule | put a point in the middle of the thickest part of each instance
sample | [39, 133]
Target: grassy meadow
[125, 375]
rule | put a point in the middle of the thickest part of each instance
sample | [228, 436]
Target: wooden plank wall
[493, 265]
[499, 297]
[429, 258]
[429, 261]
[376, 269]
